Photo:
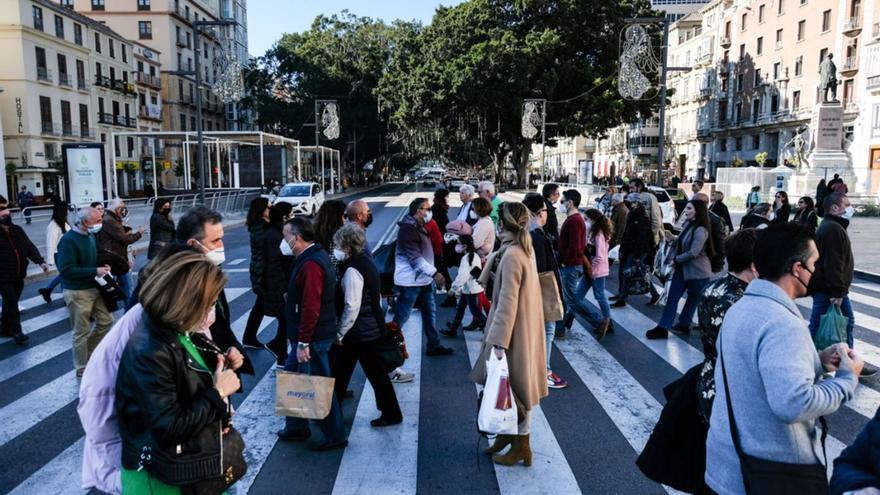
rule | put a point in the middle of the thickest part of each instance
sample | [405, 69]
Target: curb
[869, 276]
[137, 249]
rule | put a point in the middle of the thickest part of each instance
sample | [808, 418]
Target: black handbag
[110, 292]
[389, 349]
[761, 476]
[233, 463]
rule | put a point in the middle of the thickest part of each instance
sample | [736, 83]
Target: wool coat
[516, 323]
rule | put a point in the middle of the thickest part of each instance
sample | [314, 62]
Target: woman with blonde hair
[173, 384]
[516, 328]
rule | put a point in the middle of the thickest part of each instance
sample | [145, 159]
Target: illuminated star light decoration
[531, 119]
[637, 63]
[229, 85]
[330, 121]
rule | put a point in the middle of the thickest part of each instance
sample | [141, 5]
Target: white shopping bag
[614, 253]
[497, 408]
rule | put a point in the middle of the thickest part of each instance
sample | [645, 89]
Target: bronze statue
[828, 79]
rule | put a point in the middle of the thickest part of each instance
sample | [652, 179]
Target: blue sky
[267, 22]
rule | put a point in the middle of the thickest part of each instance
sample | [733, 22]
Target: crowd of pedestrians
[155, 388]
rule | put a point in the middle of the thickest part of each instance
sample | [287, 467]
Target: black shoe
[619, 304]
[567, 322]
[328, 445]
[614, 298]
[382, 421]
[475, 325]
[868, 370]
[439, 350]
[451, 325]
[20, 339]
[449, 302]
[294, 435]
[449, 333]
[252, 344]
[654, 300]
[559, 334]
[610, 326]
[46, 293]
[681, 329]
[657, 332]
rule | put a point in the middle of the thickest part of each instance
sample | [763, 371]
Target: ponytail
[514, 218]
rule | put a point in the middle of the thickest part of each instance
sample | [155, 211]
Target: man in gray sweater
[774, 373]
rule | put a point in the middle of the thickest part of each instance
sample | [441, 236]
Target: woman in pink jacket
[599, 231]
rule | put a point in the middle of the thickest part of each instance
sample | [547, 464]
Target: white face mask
[563, 208]
[429, 216]
[848, 212]
[216, 256]
[339, 254]
[473, 216]
[285, 248]
[589, 226]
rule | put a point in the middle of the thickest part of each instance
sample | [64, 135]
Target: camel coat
[516, 323]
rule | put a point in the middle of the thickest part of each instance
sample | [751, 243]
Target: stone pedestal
[828, 154]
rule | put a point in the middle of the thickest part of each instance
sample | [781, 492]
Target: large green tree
[470, 69]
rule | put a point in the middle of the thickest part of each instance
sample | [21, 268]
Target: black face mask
[806, 286]
[369, 220]
[6, 221]
[166, 210]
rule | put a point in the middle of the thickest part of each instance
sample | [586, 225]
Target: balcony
[50, 129]
[103, 81]
[852, 27]
[67, 130]
[850, 67]
[87, 132]
[850, 106]
[148, 80]
[44, 74]
[725, 42]
[105, 118]
[81, 84]
[876, 32]
[706, 93]
[121, 120]
[704, 133]
[705, 57]
[150, 112]
[64, 79]
[873, 83]
[123, 87]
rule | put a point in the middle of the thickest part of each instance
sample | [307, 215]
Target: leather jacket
[170, 415]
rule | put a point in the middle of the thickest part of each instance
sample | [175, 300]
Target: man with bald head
[358, 212]
[77, 262]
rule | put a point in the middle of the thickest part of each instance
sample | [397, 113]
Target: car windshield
[298, 190]
[662, 197]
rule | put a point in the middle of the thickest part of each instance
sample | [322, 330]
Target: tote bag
[299, 395]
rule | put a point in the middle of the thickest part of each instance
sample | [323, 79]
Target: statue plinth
[828, 150]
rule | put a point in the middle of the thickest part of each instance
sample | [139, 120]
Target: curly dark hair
[329, 219]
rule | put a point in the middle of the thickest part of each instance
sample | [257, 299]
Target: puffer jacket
[414, 259]
[257, 236]
[161, 234]
[167, 406]
[276, 272]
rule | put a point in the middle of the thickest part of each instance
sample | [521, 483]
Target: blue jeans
[126, 283]
[54, 283]
[550, 332]
[598, 286]
[422, 298]
[677, 289]
[631, 262]
[570, 277]
[318, 365]
[821, 303]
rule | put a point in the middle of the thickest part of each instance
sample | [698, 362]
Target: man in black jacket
[834, 270]
[15, 251]
[551, 195]
[719, 208]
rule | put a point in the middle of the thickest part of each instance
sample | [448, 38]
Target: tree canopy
[455, 87]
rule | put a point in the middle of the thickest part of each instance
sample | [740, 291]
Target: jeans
[126, 283]
[821, 303]
[628, 263]
[84, 305]
[422, 298]
[10, 320]
[598, 286]
[318, 365]
[471, 301]
[549, 332]
[54, 283]
[570, 276]
[677, 289]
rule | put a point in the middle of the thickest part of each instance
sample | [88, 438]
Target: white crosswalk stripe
[37, 406]
[60, 476]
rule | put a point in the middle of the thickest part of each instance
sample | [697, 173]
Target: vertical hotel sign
[86, 177]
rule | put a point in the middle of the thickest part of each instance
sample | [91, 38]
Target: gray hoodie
[776, 384]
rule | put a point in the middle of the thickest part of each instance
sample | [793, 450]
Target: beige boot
[501, 441]
[521, 451]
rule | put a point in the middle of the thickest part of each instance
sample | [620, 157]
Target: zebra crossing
[585, 438]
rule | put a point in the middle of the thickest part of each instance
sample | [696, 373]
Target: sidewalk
[230, 221]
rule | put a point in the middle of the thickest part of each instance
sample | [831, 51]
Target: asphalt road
[585, 438]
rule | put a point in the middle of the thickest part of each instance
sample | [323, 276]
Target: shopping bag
[299, 395]
[637, 279]
[832, 328]
[614, 253]
[497, 414]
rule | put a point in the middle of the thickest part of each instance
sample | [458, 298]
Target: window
[100, 105]
[756, 142]
[761, 14]
[80, 74]
[67, 3]
[796, 100]
[66, 119]
[739, 144]
[723, 144]
[112, 47]
[143, 4]
[759, 47]
[188, 40]
[99, 69]
[780, 7]
[124, 54]
[182, 122]
[186, 10]
[757, 77]
[739, 82]
[84, 120]
[112, 73]
[826, 21]
[822, 54]
[77, 34]
[115, 106]
[798, 66]
[743, 22]
[777, 71]
[742, 51]
[97, 4]
[59, 26]
[42, 70]
[774, 103]
[118, 152]
[727, 29]
[802, 28]
[130, 145]
[145, 30]
[778, 39]
[192, 123]
[803, 2]
[38, 18]
[46, 112]
[63, 77]
[97, 42]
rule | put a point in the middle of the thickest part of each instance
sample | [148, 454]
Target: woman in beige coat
[516, 327]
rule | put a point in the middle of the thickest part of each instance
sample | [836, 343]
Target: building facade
[565, 160]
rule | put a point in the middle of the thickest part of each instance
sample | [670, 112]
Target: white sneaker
[400, 376]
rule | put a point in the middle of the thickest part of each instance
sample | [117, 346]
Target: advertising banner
[86, 177]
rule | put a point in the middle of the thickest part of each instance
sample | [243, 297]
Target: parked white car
[305, 197]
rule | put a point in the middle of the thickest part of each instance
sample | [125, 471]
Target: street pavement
[585, 438]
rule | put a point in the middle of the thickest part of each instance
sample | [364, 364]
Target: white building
[565, 159]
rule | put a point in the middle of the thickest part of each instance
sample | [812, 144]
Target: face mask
[216, 256]
[209, 320]
[473, 216]
[848, 212]
[166, 210]
[369, 220]
[285, 248]
[563, 208]
[429, 216]
[123, 213]
[809, 292]
[339, 254]
[94, 229]
[7, 220]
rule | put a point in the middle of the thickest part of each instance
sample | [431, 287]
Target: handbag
[550, 299]
[498, 411]
[234, 466]
[637, 279]
[390, 349]
[832, 328]
[118, 264]
[761, 476]
[110, 292]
